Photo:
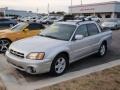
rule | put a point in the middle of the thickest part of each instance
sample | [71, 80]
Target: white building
[102, 10]
[11, 12]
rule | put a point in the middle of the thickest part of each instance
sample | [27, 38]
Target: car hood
[5, 31]
[36, 44]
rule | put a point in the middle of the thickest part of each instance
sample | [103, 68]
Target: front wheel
[4, 45]
[103, 50]
[59, 65]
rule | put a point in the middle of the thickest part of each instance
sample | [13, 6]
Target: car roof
[75, 22]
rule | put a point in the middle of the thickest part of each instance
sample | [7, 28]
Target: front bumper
[29, 66]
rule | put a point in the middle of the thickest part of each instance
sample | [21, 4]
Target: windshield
[19, 27]
[59, 31]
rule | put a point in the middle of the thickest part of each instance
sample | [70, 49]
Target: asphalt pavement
[14, 78]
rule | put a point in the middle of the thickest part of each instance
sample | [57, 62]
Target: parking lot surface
[15, 77]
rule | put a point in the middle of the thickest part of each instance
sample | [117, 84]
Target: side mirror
[25, 30]
[79, 37]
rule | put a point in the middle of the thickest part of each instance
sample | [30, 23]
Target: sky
[55, 5]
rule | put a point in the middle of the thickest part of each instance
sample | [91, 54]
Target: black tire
[53, 71]
[4, 46]
[102, 50]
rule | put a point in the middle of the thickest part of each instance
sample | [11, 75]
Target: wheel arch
[65, 53]
[105, 42]
[67, 65]
[6, 39]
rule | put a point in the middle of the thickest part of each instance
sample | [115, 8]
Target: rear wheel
[103, 50]
[4, 45]
[59, 65]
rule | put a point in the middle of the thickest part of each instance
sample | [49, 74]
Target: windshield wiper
[41, 35]
[51, 36]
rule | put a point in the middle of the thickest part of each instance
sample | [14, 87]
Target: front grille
[18, 54]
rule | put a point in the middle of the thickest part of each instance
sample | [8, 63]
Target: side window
[82, 30]
[33, 26]
[92, 29]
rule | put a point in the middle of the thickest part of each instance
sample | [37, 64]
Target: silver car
[111, 24]
[59, 45]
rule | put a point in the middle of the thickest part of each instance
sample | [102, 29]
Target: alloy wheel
[60, 65]
[4, 44]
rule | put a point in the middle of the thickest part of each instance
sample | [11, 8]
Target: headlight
[36, 56]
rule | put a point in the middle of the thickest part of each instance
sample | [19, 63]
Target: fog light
[31, 70]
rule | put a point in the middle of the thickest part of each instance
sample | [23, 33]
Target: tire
[59, 65]
[102, 50]
[4, 45]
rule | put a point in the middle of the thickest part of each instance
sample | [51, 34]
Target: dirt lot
[105, 80]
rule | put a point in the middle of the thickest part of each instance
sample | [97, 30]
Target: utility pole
[48, 9]
[71, 6]
[37, 11]
[81, 2]
[81, 5]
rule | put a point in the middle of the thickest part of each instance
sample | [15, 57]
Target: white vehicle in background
[36, 19]
[111, 24]
[79, 17]
[25, 19]
[94, 18]
[51, 19]
[42, 19]
[30, 19]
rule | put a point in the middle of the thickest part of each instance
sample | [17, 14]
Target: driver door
[80, 48]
